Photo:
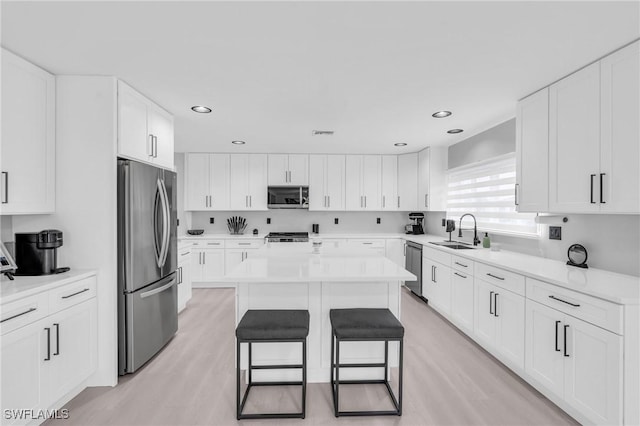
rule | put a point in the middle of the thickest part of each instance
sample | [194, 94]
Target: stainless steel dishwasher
[413, 264]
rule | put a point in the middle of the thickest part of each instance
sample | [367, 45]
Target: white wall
[86, 204]
[6, 229]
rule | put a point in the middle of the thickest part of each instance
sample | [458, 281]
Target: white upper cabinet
[389, 182]
[288, 169]
[574, 142]
[326, 182]
[620, 131]
[408, 182]
[27, 181]
[432, 182]
[145, 131]
[248, 182]
[532, 153]
[206, 181]
[363, 182]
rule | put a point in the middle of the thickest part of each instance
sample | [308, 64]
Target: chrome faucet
[476, 241]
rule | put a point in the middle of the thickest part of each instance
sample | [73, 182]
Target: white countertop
[244, 236]
[296, 262]
[27, 286]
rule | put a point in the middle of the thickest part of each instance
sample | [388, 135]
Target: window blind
[486, 190]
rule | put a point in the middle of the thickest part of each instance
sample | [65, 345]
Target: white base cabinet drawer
[590, 309]
[462, 300]
[72, 294]
[23, 312]
[501, 278]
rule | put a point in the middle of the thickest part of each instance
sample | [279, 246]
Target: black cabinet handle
[556, 343]
[6, 188]
[435, 279]
[57, 352]
[495, 304]
[19, 315]
[75, 294]
[461, 276]
[460, 264]
[565, 340]
[591, 196]
[564, 301]
[491, 303]
[601, 196]
[48, 358]
[515, 196]
[496, 277]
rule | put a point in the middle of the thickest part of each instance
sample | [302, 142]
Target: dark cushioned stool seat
[273, 325]
[365, 324]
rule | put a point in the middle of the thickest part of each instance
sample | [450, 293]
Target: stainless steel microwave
[288, 197]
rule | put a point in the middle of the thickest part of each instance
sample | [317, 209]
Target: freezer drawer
[151, 320]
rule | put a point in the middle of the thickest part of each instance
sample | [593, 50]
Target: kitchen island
[291, 276]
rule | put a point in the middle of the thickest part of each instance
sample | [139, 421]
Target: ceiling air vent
[322, 132]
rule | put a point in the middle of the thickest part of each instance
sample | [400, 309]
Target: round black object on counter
[195, 231]
[577, 255]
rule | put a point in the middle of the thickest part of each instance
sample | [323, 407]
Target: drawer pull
[367, 243]
[496, 277]
[244, 244]
[461, 276]
[460, 264]
[19, 315]
[491, 303]
[565, 341]
[185, 254]
[48, 358]
[557, 348]
[75, 294]
[564, 301]
[213, 244]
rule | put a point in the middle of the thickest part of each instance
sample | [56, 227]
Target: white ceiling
[373, 72]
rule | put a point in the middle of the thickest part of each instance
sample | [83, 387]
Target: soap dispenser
[486, 242]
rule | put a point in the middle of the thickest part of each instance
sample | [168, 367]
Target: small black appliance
[37, 253]
[415, 228]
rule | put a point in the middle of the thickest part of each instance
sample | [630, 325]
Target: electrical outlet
[268, 221]
[178, 222]
[335, 221]
[211, 220]
[378, 221]
[555, 232]
[444, 222]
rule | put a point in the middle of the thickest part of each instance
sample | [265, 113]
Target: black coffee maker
[415, 228]
[37, 252]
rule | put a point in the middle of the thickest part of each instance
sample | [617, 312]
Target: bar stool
[364, 325]
[273, 326]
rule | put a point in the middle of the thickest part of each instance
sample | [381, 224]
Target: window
[486, 190]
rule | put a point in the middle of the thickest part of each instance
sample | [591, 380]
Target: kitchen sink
[453, 245]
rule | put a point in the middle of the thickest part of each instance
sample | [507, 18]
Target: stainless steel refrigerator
[147, 262]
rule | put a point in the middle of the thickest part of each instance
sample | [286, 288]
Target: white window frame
[468, 192]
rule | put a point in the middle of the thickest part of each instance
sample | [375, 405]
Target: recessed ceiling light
[441, 114]
[322, 132]
[201, 109]
[454, 131]
[238, 142]
[400, 144]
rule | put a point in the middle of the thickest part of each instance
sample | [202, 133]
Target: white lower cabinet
[208, 264]
[576, 361]
[462, 300]
[499, 322]
[184, 278]
[48, 348]
[436, 285]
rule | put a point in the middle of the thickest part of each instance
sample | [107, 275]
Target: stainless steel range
[288, 237]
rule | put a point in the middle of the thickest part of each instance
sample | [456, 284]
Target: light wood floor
[449, 380]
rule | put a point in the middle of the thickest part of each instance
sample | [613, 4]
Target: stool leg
[237, 379]
[386, 360]
[400, 379]
[337, 400]
[249, 366]
[304, 377]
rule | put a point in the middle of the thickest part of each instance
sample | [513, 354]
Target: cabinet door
[299, 169]
[423, 179]
[196, 265]
[408, 182]
[196, 182]
[484, 324]
[213, 264]
[544, 360]
[442, 287]
[593, 371]
[74, 347]
[134, 140]
[437, 199]
[620, 149]
[239, 181]
[219, 182]
[160, 125]
[335, 182]
[353, 183]
[24, 369]
[428, 282]
[278, 165]
[574, 142]
[317, 180]
[257, 182]
[186, 280]
[371, 181]
[233, 257]
[509, 310]
[27, 182]
[532, 153]
[462, 300]
[389, 182]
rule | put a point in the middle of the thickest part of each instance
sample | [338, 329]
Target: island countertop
[296, 262]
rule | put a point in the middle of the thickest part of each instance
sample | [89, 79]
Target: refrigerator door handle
[166, 231]
[158, 242]
[158, 290]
